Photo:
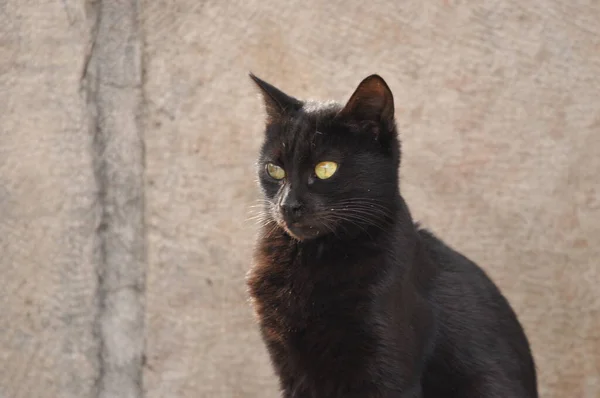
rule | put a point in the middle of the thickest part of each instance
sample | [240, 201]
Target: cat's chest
[294, 293]
[304, 296]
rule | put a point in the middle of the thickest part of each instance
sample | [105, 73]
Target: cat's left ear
[277, 103]
[372, 101]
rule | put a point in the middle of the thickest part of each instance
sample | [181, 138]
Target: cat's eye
[275, 171]
[325, 170]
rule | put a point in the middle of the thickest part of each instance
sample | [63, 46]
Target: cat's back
[463, 288]
[476, 328]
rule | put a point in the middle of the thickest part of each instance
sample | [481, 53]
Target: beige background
[128, 134]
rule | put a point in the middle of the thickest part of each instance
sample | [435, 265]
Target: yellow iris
[324, 170]
[275, 171]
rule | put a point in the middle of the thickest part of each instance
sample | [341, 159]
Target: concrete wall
[128, 133]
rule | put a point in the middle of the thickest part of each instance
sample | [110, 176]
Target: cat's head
[328, 168]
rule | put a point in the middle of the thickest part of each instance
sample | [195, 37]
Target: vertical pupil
[326, 169]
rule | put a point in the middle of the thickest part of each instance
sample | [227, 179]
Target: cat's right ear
[372, 100]
[277, 103]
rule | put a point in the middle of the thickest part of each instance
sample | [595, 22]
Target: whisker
[362, 199]
[362, 205]
[259, 206]
[272, 229]
[326, 225]
[352, 219]
[348, 220]
[367, 212]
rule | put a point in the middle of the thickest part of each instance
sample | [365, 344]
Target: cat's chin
[301, 232]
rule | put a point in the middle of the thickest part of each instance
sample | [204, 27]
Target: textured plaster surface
[128, 136]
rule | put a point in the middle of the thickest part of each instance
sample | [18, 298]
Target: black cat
[353, 298]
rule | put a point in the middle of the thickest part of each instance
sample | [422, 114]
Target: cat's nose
[292, 210]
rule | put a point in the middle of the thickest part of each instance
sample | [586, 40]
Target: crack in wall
[114, 99]
[89, 83]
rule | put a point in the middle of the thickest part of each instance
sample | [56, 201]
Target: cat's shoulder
[442, 253]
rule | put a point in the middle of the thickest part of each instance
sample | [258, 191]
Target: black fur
[357, 300]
